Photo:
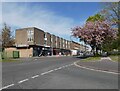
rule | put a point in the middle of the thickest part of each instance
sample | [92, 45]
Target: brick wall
[26, 52]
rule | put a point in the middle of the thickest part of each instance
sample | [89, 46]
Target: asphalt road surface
[54, 73]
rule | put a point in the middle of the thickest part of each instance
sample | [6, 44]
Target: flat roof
[29, 28]
[48, 33]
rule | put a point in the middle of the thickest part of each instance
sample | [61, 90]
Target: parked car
[104, 54]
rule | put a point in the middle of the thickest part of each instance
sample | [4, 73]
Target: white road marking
[65, 66]
[35, 76]
[7, 86]
[23, 80]
[60, 68]
[50, 71]
[75, 63]
[55, 69]
[70, 64]
[47, 72]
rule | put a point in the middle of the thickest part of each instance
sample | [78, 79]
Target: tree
[107, 45]
[96, 17]
[0, 42]
[7, 38]
[111, 11]
[95, 33]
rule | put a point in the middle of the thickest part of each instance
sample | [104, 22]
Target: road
[54, 73]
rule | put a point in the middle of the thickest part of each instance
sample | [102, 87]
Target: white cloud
[36, 16]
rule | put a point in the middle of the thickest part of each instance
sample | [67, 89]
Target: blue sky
[77, 11]
[54, 17]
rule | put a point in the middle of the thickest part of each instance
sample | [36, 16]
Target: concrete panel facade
[38, 37]
[29, 36]
[58, 42]
[47, 39]
[54, 41]
[21, 37]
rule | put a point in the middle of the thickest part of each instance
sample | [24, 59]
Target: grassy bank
[91, 59]
[8, 60]
[114, 58]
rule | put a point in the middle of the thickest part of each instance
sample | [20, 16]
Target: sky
[54, 17]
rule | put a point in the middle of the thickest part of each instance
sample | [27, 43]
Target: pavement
[55, 73]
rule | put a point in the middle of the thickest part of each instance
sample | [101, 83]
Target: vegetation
[114, 58]
[96, 32]
[89, 59]
[111, 12]
[102, 30]
[96, 17]
[9, 60]
[7, 38]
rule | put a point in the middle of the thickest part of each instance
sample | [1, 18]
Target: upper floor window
[30, 35]
[63, 44]
[45, 35]
[66, 44]
[51, 38]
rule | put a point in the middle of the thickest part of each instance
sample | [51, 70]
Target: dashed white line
[60, 68]
[47, 72]
[66, 65]
[55, 69]
[35, 76]
[44, 73]
[70, 64]
[23, 80]
[50, 71]
[7, 86]
[63, 66]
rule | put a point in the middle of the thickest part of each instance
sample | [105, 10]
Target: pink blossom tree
[95, 33]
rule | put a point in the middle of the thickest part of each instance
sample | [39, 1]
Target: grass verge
[114, 58]
[91, 59]
[8, 60]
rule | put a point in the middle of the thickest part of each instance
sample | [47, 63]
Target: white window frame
[30, 34]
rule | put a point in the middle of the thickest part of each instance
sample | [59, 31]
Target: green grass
[8, 60]
[91, 59]
[114, 58]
